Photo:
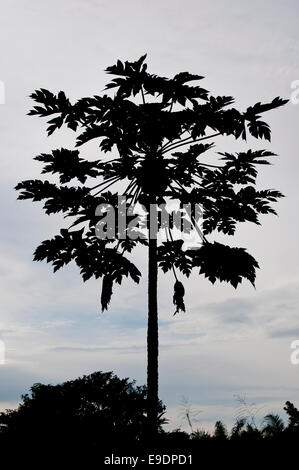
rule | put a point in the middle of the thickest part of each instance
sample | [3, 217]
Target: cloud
[16, 380]
[92, 349]
[291, 332]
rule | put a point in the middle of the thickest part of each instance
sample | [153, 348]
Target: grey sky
[229, 342]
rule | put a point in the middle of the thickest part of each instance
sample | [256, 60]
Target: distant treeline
[100, 415]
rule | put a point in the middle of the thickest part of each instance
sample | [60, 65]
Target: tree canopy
[97, 410]
[144, 135]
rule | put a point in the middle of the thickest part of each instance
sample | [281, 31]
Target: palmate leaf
[127, 69]
[68, 165]
[256, 127]
[36, 190]
[133, 80]
[93, 131]
[53, 104]
[58, 250]
[184, 166]
[224, 206]
[176, 92]
[223, 214]
[87, 211]
[91, 255]
[50, 103]
[58, 199]
[213, 116]
[261, 108]
[258, 200]
[241, 168]
[259, 129]
[224, 263]
[184, 77]
[193, 152]
[117, 118]
[170, 254]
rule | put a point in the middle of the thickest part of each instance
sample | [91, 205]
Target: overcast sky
[228, 343]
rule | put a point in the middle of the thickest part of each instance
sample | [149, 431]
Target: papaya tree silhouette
[145, 125]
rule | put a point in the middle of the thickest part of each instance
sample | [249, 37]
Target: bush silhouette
[95, 412]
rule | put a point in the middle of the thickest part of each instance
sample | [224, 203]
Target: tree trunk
[152, 339]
